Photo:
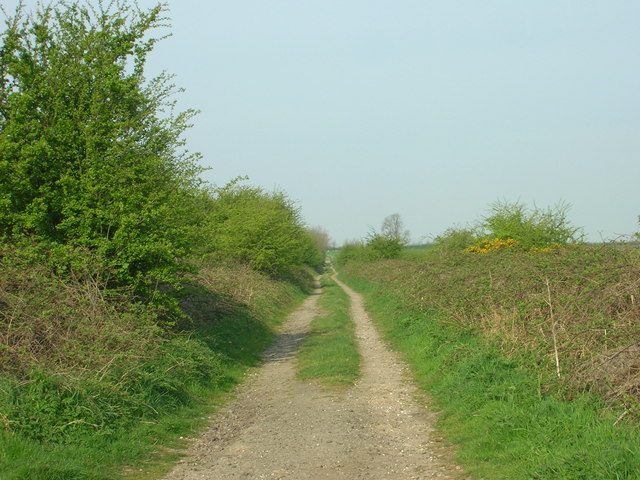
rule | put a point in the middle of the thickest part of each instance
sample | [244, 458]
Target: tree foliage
[321, 237]
[91, 154]
[388, 243]
[105, 233]
[93, 160]
[260, 228]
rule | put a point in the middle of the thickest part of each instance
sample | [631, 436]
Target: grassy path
[329, 352]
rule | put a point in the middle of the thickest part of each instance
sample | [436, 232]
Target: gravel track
[278, 427]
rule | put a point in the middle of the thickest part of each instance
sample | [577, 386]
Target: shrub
[262, 229]
[512, 225]
[456, 239]
[350, 252]
[381, 246]
[530, 228]
[91, 157]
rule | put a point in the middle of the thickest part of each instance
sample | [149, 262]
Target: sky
[432, 109]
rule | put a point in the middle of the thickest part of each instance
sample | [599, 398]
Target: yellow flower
[486, 245]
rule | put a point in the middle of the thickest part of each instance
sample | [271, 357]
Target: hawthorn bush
[91, 157]
[262, 229]
[530, 228]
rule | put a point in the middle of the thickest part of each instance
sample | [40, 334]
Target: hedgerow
[109, 237]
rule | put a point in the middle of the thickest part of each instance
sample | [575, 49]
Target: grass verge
[494, 410]
[329, 353]
[129, 417]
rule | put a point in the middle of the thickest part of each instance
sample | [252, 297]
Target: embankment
[483, 341]
[90, 383]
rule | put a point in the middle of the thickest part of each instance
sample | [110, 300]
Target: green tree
[262, 229]
[393, 229]
[391, 240]
[313, 254]
[91, 154]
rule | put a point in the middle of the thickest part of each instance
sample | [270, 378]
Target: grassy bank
[573, 313]
[92, 390]
[329, 353]
[131, 290]
[495, 409]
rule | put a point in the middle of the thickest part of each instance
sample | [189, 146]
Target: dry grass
[67, 324]
[75, 324]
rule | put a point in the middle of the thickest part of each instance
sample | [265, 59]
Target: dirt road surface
[278, 427]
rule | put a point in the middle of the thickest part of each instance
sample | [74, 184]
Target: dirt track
[281, 428]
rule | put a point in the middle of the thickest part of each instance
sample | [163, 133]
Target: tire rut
[278, 427]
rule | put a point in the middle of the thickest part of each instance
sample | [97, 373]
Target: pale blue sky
[431, 109]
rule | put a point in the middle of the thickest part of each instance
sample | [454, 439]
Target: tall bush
[91, 154]
[530, 228]
[350, 252]
[263, 229]
[382, 246]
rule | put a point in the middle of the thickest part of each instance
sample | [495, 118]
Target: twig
[624, 414]
[103, 371]
[78, 422]
[553, 328]
[13, 314]
[614, 355]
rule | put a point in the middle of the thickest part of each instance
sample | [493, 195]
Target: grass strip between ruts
[329, 353]
[493, 409]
